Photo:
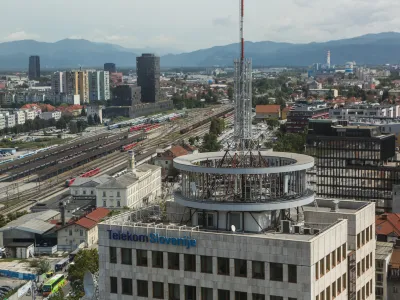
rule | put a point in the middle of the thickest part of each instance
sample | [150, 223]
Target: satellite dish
[89, 285]
[233, 227]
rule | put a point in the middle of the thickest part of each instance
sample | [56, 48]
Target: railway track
[111, 163]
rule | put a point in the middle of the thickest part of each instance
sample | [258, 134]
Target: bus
[54, 284]
[61, 264]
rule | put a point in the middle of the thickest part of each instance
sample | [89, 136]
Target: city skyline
[303, 21]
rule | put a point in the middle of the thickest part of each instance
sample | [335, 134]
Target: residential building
[34, 67]
[110, 68]
[29, 114]
[148, 72]
[83, 230]
[304, 110]
[10, 120]
[165, 159]
[387, 227]
[136, 188]
[99, 85]
[268, 112]
[357, 112]
[19, 117]
[353, 162]
[176, 259]
[393, 280]
[315, 85]
[58, 84]
[2, 121]
[285, 112]
[56, 115]
[383, 256]
[81, 85]
[6, 98]
[324, 92]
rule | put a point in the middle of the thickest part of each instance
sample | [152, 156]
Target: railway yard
[42, 176]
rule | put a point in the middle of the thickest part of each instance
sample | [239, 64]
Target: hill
[69, 53]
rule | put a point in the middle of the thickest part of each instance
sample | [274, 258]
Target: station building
[240, 233]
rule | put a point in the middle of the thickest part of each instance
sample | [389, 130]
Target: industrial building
[148, 72]
[354, 162]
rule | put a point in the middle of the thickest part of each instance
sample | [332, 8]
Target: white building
[143, 257]
[29, 114]
[384, 252]
[85, 187]
[10, 120]
[58, 83]
[355, 112]
[139, 186]
[2, 121]
[19, 117]
[93, 110]
[99, 85]
[56, 115]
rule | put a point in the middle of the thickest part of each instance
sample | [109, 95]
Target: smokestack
[131, 161]
[328, 58]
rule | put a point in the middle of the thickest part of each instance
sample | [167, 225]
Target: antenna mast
[243, 94]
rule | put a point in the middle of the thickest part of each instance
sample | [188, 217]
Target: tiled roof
[86, 223]
[388, 223]
[98, 214]
[268, 108]
[178, 151]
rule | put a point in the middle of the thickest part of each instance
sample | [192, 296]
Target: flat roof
[383, 250]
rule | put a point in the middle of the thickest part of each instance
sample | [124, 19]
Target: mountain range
[370, 49]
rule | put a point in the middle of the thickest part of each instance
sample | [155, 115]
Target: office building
[304, 110]
[354, 162]
[99, 85]
[148, 72]
[110, 68]
[34, 67]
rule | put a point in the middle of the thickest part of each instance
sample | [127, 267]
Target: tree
[73, 127]
[96, 119]
[210, 143]
[59, 295]
[61, 124]
[217, 126]
[43, 266]
[273, 123]
[85, 260]
[90, 120]
[83, 112]
[192, 140]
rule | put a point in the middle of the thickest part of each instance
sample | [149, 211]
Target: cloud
[225, 22]
[20, 35]
[119, 38]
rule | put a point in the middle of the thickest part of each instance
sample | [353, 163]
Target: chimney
[384, 216]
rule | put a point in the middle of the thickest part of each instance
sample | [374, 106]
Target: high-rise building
[354, 162]
[99, 85]
[34, 67]
[58, 83]
[148, 72]
[82, 85]
[110, 67]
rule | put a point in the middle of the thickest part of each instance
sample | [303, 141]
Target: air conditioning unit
[297, 229]
[307, 230]
[316, 231]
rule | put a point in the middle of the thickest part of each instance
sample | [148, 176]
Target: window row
[334, 290]
[330, 261]
[157, 290]
[206, 264]
[365, 291]
[364, 237]
[111, 194]
[364, 265]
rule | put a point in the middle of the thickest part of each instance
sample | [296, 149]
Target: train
[6, 161]
[132, 122]
[205, 121]
[128, 147]
[27, 154]
[139, 127]
[89, 173]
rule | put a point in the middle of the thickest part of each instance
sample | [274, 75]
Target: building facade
[148, 72]
[19, 118]
[268, 112]
[302, 111]
[34, 67]
[356, 112]
[99, 85]
[82, 85]
[110, 67]
[56, 115]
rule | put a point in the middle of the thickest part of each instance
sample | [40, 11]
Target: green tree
[73, 127]
[43, 266]
[59, 295]
[210, 143]
[61, 124]
[83, 112]
[192, 140]
[273, 123]
[90, 120]
[85, 260]
[96, 119]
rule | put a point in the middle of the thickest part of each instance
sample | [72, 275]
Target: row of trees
[217, 126]
[288, 142]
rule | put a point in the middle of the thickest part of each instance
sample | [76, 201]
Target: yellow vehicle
[49, 274]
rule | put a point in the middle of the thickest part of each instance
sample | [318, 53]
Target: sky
[188, 25]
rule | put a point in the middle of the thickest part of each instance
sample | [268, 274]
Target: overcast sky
[194, 24]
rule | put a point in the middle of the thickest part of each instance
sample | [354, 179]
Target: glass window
[206, 264]
[113, 255]
[258, 297]
[174, 292]
[338, 254]
[157, 259]
[322, 267]
[190, 262]
[328, 293]
[334, 289]
[141, 258]
[206, 293]
[328, 263]
[292, 273]
[234, 219]
[223, 266]
[173, 261]
[316, 270]
[81, 232]
[258, 269]
[344, 282]
[240, 268]
[126, 256]
[224, 295]
[358, 241]
[344, 251]
[70, 232]
[142, 288]
[190, 292]
[84, 192]
[104, 203]
[333, 256]
[104, 194]
[241, 296]
[126, 286]
[118, 203]
[276, 272]
[339, 285]
[114, 285]
[118, 194]
[158, 290]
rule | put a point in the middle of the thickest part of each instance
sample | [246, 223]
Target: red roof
[98, 214]
[86, 223]
[178, 151]
[268, 109]
[388, 223]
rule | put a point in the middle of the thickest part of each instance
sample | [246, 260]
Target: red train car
[89, 173]
[128, 147]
